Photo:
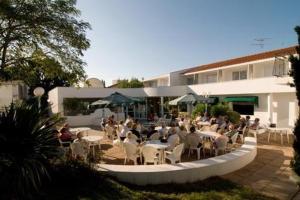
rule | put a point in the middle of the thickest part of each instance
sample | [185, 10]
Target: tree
[47, 26]
[295, 73]
[42, 71]
[133, 83]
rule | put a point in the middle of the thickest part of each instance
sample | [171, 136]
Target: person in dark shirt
[134, 131]
[151, 131]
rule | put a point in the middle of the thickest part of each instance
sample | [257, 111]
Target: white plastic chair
[233, 138]
[173, 140]
[150, 155]
[175, 155]
[154, 136]
[193, 143]
[79, 148]
[131, 152]
[134, 137]
[221, 146]
[207, 145]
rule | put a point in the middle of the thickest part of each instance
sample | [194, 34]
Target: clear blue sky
[145, 38]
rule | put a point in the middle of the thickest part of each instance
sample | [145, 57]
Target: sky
[147, 38]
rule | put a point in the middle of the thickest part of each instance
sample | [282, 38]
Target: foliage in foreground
[77, 181]
[295, 73]
[27, 143]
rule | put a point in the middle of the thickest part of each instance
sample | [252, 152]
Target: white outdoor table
[159, 127]
[280, 131]
[209, 134]
[203, 123]
[159, 146]
[75, 131]
[93, 140]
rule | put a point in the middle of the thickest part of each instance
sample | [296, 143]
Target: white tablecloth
[159, 146]
[210, 134]
[79, 129]
[203, 123]
[93, 138]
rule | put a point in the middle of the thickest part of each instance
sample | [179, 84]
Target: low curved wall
[186, 171]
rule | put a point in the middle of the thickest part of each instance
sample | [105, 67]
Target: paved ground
[269, 172]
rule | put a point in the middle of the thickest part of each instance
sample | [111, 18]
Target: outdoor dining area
[131, 143]
[162, 140]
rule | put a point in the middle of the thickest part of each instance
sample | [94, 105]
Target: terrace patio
[269, 172]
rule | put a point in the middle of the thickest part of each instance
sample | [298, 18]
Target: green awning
[249, 99]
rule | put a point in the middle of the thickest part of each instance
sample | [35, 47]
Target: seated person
[221, 139]
[130, 139]
[181, 122]
[193, 136]
[134, 130]
[163, 131]
[124, 130]
[151, 131]
[205, 117]
[255, 124]
[172, 130]
[248, 121]
[66, 135]
[242, 125]
[182, 133]
[231, 131]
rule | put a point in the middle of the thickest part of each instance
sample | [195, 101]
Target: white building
[255, 85]
[12, 91]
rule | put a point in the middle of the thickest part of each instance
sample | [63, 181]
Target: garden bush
[27, 143]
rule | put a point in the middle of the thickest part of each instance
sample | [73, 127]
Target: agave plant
[27, 143]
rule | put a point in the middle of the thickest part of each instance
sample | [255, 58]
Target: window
[239, 75]
[280, 67]
[192, 80]
[211, 78]
[243, 108]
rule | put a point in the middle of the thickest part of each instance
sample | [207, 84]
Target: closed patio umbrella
[189, 98]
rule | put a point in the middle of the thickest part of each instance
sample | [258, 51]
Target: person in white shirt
[163, 131]
[221, 139]
[124, 130]
[130, 139]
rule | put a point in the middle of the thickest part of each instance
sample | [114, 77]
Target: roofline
[157, 77]
[244, 59]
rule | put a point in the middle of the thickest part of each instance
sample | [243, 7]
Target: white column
[270, 107]
[162, 106]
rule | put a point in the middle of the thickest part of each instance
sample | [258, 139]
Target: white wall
[12, 91]
[184, 172]
[227, 73]
[255, 87]
[263, 69]
[285, 109]
[6, 95]
[261, 111]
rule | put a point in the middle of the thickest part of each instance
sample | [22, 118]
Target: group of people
[185, 128]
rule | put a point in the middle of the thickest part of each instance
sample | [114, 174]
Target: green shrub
[219, 109]
[27, 142]
[199, 109]
[234, 117]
